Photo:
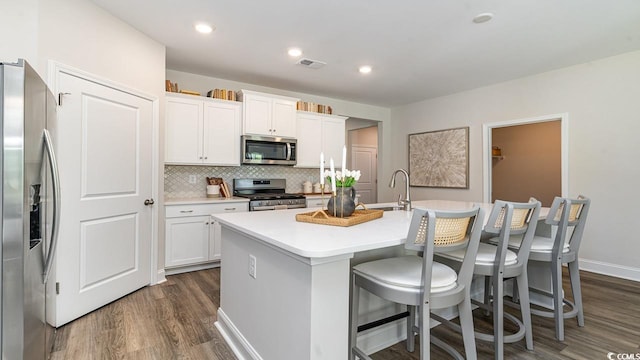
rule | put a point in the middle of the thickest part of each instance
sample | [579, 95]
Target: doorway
[362, 142]
[526, 157]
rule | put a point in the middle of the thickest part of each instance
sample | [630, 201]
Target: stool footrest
[376, 323]
[573, 312]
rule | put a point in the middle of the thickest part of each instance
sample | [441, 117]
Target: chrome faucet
[406, 203]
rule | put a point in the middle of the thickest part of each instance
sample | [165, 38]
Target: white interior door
[104, 140]
[365, 159]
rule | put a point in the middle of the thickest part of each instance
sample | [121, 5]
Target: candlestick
[322, 169]
[333, 176]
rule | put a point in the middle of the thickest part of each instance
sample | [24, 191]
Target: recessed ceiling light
[365, 69]
[482, 18]
[204, 28]
[295, 52]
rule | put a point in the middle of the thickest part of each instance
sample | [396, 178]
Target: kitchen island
[285, 284]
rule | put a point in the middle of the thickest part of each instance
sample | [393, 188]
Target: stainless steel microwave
[268, 150]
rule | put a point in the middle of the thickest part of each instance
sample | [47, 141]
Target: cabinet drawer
[204, 209]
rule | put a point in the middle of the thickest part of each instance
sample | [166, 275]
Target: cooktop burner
[267, 194]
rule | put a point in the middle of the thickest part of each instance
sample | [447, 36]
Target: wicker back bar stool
[422, 284]
[568, 217]
[497, 263]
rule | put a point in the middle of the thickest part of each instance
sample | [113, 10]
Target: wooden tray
[322, 217]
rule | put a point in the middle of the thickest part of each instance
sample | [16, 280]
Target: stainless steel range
[267, 194]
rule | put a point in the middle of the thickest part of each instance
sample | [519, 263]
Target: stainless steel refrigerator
[30, 210]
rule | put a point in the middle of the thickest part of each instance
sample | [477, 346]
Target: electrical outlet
[192, 179]
[252, 266]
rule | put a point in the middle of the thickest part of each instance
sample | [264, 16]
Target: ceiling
[417, 49]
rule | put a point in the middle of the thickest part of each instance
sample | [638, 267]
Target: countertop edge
[309, 253]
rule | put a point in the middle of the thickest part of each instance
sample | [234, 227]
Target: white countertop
[204, 200]
[280, 228]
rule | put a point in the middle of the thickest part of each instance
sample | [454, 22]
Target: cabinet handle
[200, 157]
[229, 209]
[207, 223]
[186, 211]
[205, 158]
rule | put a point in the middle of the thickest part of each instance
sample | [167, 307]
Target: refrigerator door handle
[55, 176]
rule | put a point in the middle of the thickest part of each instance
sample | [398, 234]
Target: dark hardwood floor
[174, 320]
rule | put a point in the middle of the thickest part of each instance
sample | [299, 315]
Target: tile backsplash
[176, 177]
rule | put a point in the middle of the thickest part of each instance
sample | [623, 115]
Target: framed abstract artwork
[440, 159]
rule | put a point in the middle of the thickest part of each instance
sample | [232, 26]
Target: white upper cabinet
[202, 131]
[266, 114]
[318, 133]
[183, 130]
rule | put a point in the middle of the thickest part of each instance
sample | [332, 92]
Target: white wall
[202, 84]
[601, 98]
[18, 26]
[80, 34]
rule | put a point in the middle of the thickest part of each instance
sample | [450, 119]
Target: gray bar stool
[497, 263]
[418, 281]
[569, 217]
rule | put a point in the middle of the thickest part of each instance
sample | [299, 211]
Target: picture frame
[440, 159]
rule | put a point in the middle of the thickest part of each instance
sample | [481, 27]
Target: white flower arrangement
[347, 179]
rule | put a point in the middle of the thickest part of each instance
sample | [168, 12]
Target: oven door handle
[288, 151]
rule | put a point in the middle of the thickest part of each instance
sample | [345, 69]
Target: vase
[343, 204]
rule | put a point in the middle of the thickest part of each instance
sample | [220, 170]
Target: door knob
[149, 202]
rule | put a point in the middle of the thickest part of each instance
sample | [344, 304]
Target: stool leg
[353, 331]
[466, 323]
[515, 292]
[556, 283]
[574, 274]
[425, 330]
[498, 318]
[411, 339]
[487, 293]
[522, 283]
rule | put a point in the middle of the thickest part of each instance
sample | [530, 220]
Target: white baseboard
[188, 268]
[619, 271]
[236, 341]
[381, 337]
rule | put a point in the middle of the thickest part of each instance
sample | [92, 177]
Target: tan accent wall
[365, 136]
[530, 162]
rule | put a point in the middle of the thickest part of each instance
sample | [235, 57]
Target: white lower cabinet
[187, 240]
[192, 237]
[215, 241]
